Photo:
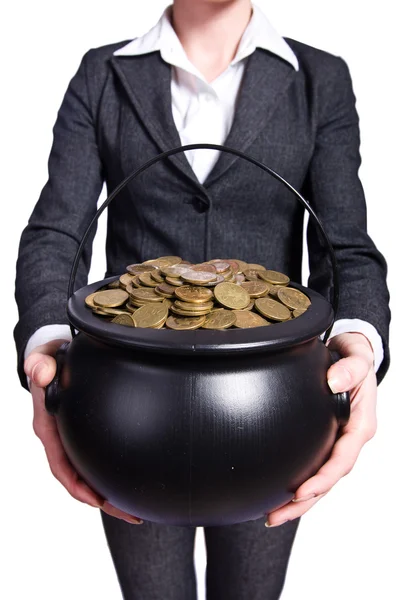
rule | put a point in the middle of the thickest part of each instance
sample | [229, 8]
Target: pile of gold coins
[179, 295]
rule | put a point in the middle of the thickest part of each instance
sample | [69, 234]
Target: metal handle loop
[162, 156]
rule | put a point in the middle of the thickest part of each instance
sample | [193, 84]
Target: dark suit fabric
[116, 114]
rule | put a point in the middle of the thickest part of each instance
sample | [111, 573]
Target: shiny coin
[174, 281]
[256, 289]
[194, 294]
[272, 309]
[165, 289]
[150, 315]
[274, 290]
[89, 301]
[251, 274]
[126, 279]
[231, 295]
[256, 267]
[246, 319]
[190, 312]
[274, 277]
[174, 271]
[124, 319]
[110, 298]
[220, 319]
[146, 279]
[139, 268]
[145, 295]
[184, 323]
[220, 265]
[293, 298]
[193, 306]
[219, 279]
[205, 267]
[156, 276]
[198, 277]
[298, 312]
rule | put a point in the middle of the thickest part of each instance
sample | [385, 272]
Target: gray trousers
[246, 561]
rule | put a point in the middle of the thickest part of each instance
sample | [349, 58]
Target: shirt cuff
[360, 326]
[46, 334]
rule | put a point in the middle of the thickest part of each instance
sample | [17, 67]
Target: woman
[209, 71]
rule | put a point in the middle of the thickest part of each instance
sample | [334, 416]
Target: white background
[53, 547]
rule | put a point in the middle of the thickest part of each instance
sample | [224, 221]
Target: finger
[119, 514]
[46, 430]
[347, 373]
[291, 512]
[40, 368]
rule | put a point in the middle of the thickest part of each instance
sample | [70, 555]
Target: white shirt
[204, 112]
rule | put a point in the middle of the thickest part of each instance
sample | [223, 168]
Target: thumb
[41, 368]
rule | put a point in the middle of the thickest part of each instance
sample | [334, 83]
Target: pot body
[195, 440]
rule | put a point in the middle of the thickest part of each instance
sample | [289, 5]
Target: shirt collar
[259, 33]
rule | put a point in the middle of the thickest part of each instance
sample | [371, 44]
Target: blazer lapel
[265, 79]
[147, 82]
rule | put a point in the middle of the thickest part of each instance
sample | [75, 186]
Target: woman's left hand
[355, 373]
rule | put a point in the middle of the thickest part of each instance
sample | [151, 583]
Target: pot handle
[53, 388]
[342, 399]
[164, 155]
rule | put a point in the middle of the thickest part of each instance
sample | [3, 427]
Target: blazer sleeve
[66, 205]
[334, 189]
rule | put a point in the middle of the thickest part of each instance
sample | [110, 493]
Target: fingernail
[341, 382]
[267, 524]
[134, 521]
[36, 370]
[304, 498]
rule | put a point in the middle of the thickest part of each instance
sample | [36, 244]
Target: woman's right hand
[40, 367]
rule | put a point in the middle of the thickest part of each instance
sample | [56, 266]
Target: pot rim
[314, 322]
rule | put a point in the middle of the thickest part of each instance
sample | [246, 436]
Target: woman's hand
[40, 367]
[354, 373]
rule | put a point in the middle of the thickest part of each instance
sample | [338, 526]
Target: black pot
[197, 427]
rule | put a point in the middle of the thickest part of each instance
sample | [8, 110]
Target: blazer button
[199, 204]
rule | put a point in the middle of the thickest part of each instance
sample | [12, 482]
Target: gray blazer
[116, 114]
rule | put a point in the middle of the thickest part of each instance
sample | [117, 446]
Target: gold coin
[145, 295]
[242, 265]
[137, 269]
[219, 279]
[256, 267]
[220, 265]
[293, 298]
[99, 311]
[232, 295]
[114, 285]
[184, 323]
[220, 319]
[298, 312]
[110, 298]
[113, 311]
[251, 274]
[197, 277]
[174, 271]
[256, 289]
[126, 279]
[130, 308]
[167, 303]
[156, 276]
[189, 313]
[194, 294]
[191, 306]
[150, 315]
[250, 305]
[247, 319]
[124, 319]
[146, 279]
[272, 309]
[89, 301]
[274, 290]
[174, 281]
[274, 277]
[164, 289]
